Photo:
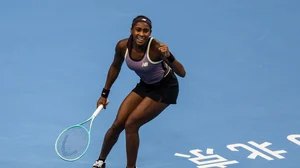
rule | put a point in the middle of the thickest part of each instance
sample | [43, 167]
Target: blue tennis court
[238, 105]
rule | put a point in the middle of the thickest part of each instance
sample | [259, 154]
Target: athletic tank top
[149, 71]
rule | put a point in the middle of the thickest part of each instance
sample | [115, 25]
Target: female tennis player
[158, 87]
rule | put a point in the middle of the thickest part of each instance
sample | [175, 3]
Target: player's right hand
[102, 101]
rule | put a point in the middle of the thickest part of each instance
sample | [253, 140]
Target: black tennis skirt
[165, 91]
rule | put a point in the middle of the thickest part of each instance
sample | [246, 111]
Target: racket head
[72, 143]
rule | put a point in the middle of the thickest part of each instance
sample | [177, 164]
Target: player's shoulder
[122, 44]
[155, 43]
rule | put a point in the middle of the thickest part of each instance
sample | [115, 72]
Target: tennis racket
[73, 142]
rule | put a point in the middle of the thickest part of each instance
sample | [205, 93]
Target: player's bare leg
[147, 110]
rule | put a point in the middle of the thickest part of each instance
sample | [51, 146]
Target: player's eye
[138, 29]
[146, 30]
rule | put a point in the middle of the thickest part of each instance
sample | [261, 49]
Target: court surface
[238, 105]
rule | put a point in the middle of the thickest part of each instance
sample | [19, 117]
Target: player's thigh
[146, 111]
[128, 105]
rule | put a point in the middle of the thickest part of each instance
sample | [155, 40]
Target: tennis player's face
[141, 32]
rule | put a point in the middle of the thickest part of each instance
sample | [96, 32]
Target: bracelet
[171, 58]
[105, 93]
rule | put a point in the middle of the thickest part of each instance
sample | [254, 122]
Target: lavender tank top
[149, 71]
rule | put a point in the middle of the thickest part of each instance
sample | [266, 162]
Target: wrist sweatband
[105, 93]
[171, 58]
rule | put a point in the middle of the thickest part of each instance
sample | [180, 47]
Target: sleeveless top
[149, 71]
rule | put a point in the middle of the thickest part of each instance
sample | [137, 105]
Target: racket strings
[73, 142]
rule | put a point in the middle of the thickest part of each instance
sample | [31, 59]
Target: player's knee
[117, 128]
[131, 126]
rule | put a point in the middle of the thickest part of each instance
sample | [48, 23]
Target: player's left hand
[163, 48]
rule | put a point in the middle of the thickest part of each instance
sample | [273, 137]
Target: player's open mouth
[140, 39]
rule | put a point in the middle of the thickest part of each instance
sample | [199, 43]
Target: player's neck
[139, 48]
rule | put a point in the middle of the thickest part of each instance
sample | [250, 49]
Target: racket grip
[97, 111]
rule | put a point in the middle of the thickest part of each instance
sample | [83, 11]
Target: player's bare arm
[113, 71]
[116, 65]
[169, 58]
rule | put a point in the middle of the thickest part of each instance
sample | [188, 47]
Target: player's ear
[131, 30]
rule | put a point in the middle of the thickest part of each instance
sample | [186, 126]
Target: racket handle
[97, 111]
